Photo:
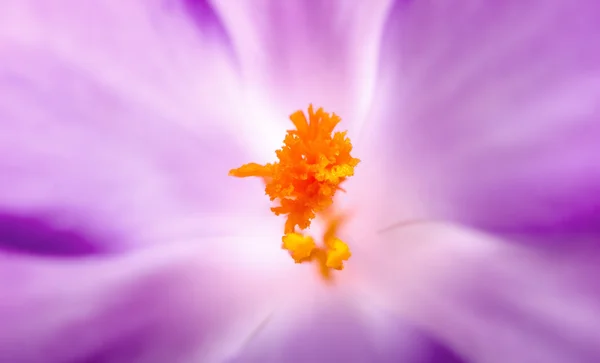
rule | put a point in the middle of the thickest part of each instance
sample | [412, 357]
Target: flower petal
[159, 305]
[493, 109]
[35, 236]
[294, 53]
[340, 331]
[102, 131]
[489, 300]
[171, 56]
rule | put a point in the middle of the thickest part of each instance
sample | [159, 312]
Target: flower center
[313, 162]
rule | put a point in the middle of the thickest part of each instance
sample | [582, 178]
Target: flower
[472, 218]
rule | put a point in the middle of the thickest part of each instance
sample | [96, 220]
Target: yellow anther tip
[299, 246]
[337, 254]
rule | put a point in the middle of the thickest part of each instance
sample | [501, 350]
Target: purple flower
[123, 239]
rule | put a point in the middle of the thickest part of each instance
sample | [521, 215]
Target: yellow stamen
[299, 246]
[338, 253]
[313, 162]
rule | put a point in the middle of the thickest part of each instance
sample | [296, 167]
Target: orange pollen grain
[312, 164]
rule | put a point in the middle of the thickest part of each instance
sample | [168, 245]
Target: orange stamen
[313, 162]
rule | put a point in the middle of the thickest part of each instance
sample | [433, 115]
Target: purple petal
[340, 331]
[109, 128]
[492, 109]
[36, 236]
[298, 52]
[159, 306]
[489, 300]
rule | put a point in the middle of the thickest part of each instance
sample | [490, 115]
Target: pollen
[337, 254]
[312, 164]
[299, 246]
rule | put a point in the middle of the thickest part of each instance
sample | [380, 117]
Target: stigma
[312, 164]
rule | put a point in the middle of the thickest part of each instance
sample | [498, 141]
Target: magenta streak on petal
[34, 235]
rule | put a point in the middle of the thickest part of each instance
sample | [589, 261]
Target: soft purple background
[122, 239]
